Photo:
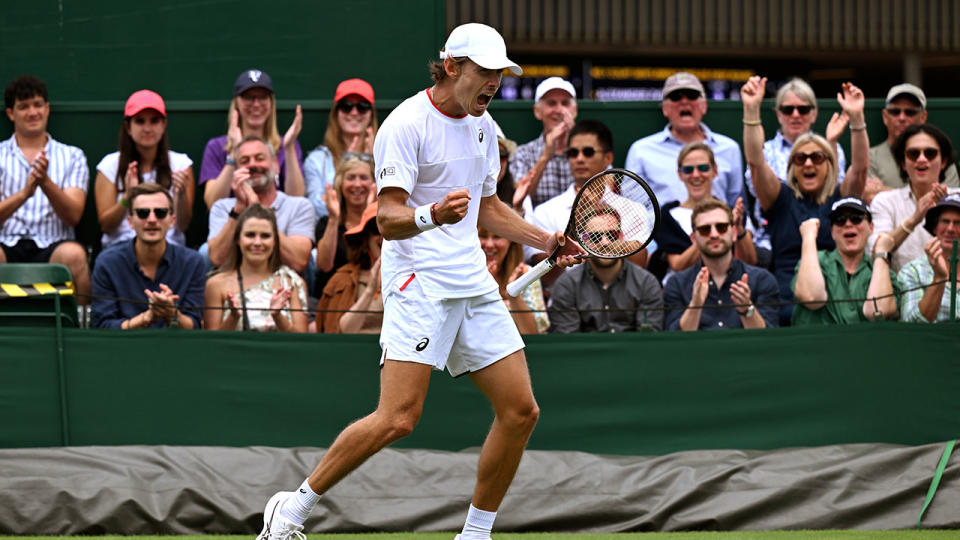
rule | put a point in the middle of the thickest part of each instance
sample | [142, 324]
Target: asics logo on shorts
[423, 344]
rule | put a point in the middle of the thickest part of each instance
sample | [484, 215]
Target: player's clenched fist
[453, 207]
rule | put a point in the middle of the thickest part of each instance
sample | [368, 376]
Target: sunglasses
[144, 213]
[817, 158]
[597, 236]
[588, 152]
[896, 111]
[855, 219]
[362, 156]
[913, 154]
[704, 230]
[361, 106]
[677, 95]
[802, 109]
[688, 169]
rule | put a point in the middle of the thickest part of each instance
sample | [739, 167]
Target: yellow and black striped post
[23, 290]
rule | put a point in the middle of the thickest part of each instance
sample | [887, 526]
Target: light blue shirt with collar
[654, 158]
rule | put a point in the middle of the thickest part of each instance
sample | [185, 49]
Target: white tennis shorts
[461, 335]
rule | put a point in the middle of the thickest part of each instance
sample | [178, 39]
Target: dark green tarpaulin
[630, 394]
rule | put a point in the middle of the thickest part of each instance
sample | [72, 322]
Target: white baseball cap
[479, 43]
[554, 83]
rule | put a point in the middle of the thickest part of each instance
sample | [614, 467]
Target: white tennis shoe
[277, 527]
[457, 537]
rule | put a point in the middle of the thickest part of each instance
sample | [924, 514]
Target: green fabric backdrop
[632, 394]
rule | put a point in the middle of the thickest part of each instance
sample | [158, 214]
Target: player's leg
[403, 388]
[507, 385]
[499, 368]
[74, 257]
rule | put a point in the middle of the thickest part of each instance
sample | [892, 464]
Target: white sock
[297, 507]
[479, 524]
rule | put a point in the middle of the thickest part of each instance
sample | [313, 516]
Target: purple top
[215, 156]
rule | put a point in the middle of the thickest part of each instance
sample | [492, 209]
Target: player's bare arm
[397, 221]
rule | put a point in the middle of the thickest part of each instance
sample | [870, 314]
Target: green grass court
[752, 535]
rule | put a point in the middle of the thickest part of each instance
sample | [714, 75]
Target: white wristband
[423, 218]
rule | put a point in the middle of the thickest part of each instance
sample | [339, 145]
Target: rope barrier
[777, 304]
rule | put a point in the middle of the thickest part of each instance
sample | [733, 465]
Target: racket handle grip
[518, 285]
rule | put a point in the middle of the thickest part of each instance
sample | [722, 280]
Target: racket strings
[614, 217]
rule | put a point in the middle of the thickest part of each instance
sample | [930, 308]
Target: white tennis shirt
[428, 154]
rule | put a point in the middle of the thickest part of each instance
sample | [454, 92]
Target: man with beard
[148, 268]
[254, 182]
[654, 157]
[825, 280]
[730, 288]
[605, 295]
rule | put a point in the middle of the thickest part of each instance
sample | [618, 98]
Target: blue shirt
[783, 223]
[679, 291]
[776, 152]
[118, 275]
[654, 158]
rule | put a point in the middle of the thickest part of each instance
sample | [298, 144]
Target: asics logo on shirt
[481, 134]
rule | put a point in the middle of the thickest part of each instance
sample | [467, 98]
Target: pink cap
[144, 99]
[359, 87]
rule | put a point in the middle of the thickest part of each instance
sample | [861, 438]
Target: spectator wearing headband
[826, 281]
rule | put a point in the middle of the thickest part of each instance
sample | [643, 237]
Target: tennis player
[437, 165]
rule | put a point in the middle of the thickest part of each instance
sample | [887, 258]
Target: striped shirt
[556, 178]
[36, 219]
[916, 273]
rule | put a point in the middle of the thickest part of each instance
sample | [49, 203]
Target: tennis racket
[614, 215]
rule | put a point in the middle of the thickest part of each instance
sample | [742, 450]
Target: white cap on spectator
[909, 90]
[554, 83]
[479, 43]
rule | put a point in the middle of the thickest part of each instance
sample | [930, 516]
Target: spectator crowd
[787, 230]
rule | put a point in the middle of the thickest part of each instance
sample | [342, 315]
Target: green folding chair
[35, 294]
